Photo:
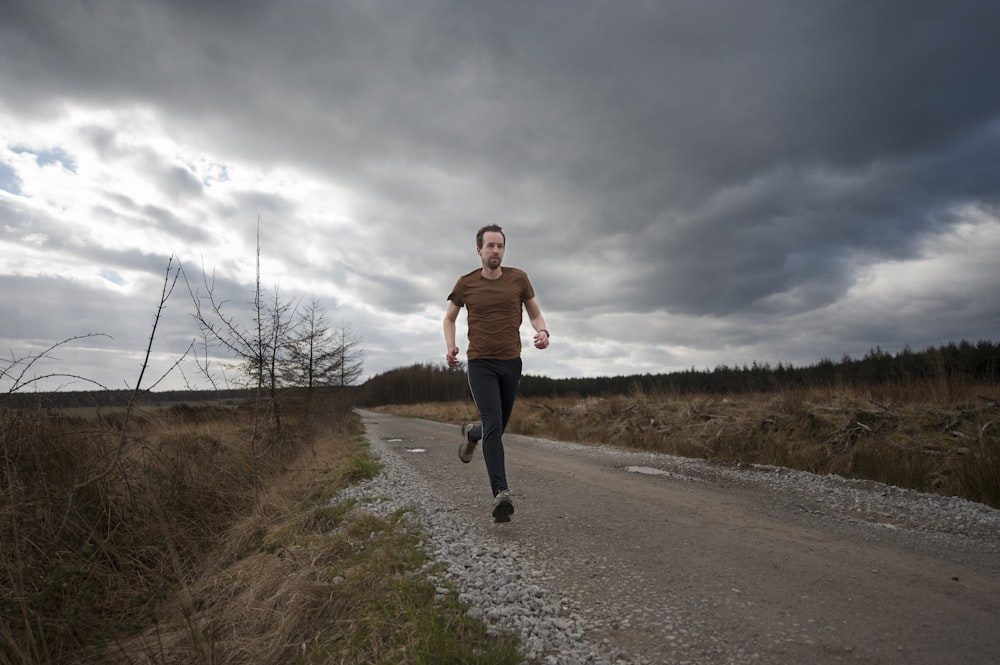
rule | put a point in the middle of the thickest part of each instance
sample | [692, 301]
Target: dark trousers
[493, 384]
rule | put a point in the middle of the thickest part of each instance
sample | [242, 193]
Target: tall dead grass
[86, 554]
[938, 436]
[184, 555]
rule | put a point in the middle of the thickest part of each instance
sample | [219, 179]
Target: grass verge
[179, 558]
[319, 582]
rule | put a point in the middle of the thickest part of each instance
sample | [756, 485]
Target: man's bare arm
[450, 316]
[538, 323]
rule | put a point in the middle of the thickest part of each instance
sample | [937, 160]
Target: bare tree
[310, 357]
[257, 347]
[350, 355]
[319, 355]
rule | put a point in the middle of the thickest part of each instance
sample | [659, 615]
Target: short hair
[487, 229]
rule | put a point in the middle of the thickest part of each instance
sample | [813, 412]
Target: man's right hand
[452, 357]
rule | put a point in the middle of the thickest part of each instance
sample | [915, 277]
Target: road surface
[681, 561]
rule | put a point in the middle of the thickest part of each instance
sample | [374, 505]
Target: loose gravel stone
[497, 583]
[509, 590]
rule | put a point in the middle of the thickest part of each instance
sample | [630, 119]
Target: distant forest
[72, 399]
[977, 363]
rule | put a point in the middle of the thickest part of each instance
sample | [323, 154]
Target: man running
[493, 297]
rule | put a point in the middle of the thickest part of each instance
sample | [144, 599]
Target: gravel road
[618, 557]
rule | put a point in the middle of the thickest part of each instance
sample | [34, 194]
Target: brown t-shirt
[494, 310]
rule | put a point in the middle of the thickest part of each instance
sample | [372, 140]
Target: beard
[493, 262]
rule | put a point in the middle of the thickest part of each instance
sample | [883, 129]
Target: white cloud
[686, 185]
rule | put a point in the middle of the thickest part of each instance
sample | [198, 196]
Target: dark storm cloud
[698, 159]
[641, 111]
[812, 228]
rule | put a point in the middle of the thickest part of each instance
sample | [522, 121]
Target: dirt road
[686, 562]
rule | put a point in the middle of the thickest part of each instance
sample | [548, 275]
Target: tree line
[977, 363]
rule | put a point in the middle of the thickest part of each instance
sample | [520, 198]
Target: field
[929, 437]
[208, 534]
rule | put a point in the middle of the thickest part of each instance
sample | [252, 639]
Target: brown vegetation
[929, 436]
[189, 551]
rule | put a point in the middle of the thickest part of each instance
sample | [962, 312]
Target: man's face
[492, 250]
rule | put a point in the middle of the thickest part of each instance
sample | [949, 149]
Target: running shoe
[467, 447]
[503, 507]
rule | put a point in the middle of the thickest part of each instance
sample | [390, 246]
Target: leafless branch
[18, 369]
[168, 287]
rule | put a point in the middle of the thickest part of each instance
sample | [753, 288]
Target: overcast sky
[688, 183]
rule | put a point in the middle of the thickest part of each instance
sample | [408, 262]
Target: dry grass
[929, 437]
[307, 581]
[175, 558]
